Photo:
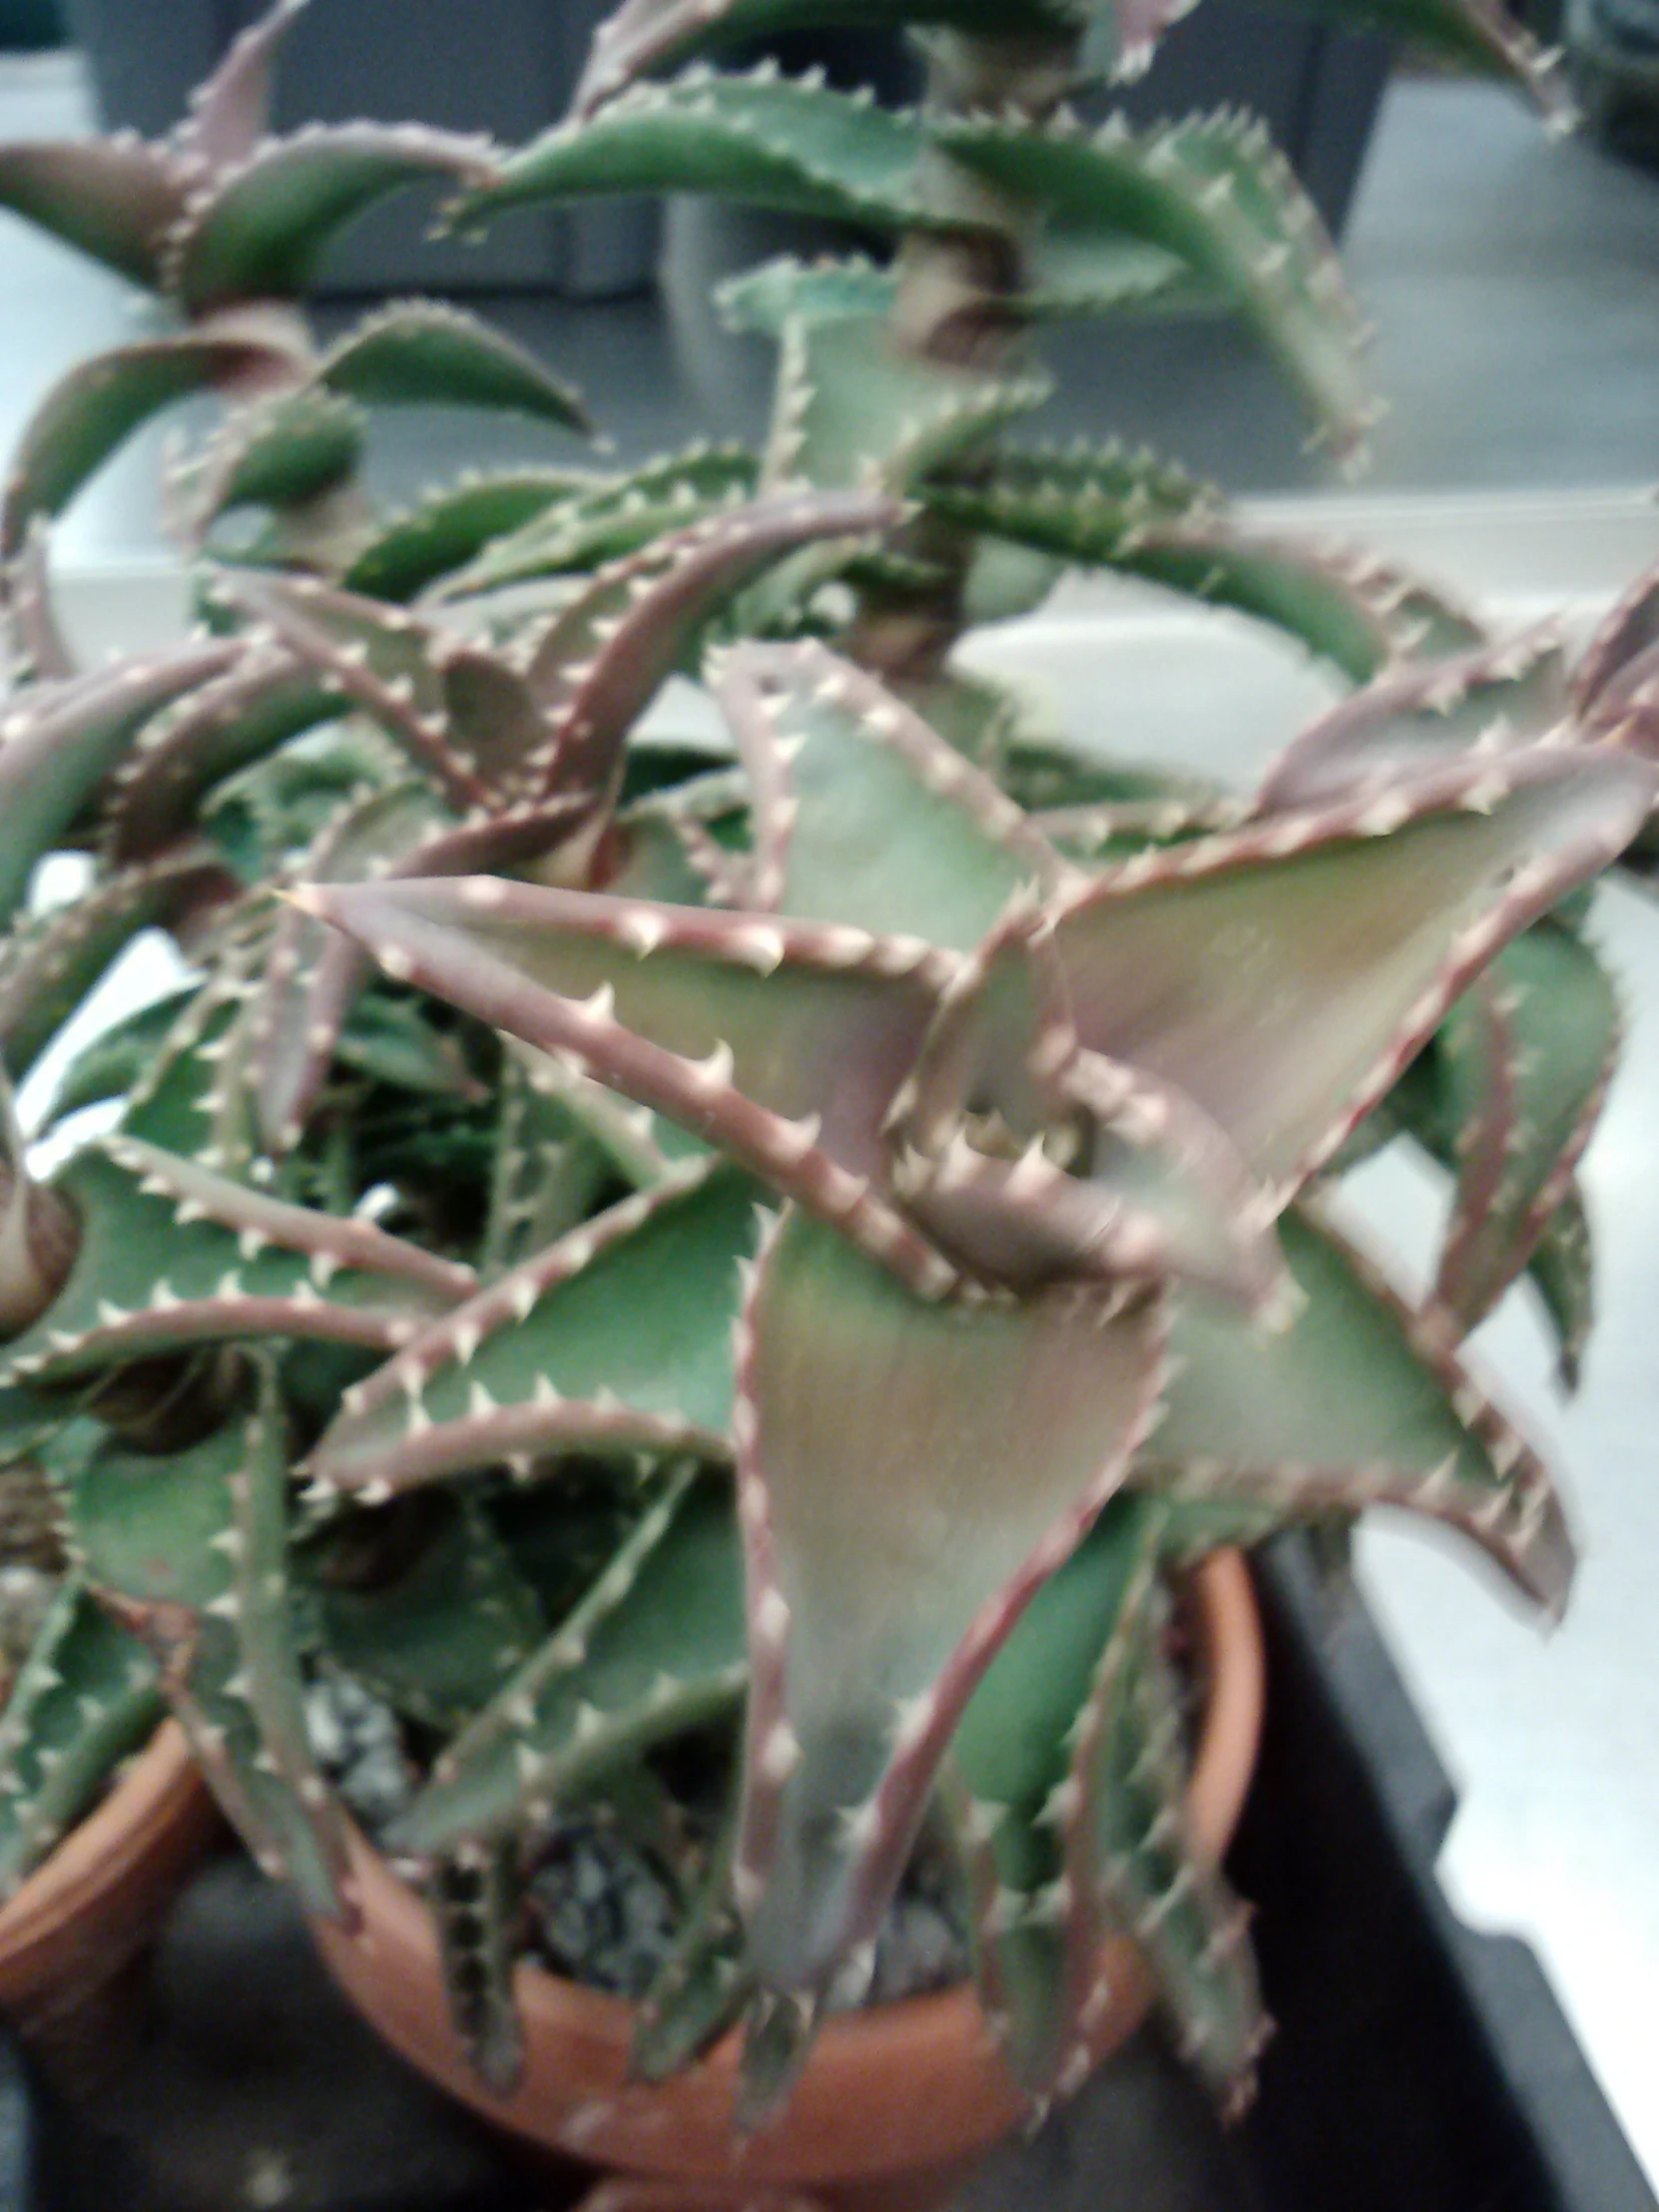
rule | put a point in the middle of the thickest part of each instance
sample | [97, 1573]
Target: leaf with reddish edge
[1284, 974]
[619, 1332]
[314, 974]
[57, 742]
[188, 1552]
[1490, 701]
[1360, 1401]
[112, 198]
[1615, 692]
[782, 1042]
[863, 813]
[643, 37]
[1129, 1850]
[49, 963]
[1525, 1059]
[1563, 1273]
[94, 410]
[259, 230]
[910, 1475]
[1003, 1789]
[40, 652]
[377, 657]
[238, 1264]
[230, 112]
[653, 1649]
[1131, 511]
[256, 703]
[1212, 189]
[1480, 35]
[1627, 635]
[452, 525]
[1028, 1158]
[602, 661]
[310, 974]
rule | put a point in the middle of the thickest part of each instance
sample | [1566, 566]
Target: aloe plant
[778, 1254]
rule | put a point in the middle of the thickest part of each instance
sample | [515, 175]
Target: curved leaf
[260, 230]
[910, 1475]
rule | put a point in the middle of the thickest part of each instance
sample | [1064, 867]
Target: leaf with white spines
[423, 353]
[1359, 1401]
[910, 1475]
[145, 1281]
[1216, 967]
[1524, 1062]
[1208, 192]
[59, 742]
[85, 1697]
[629, 1315]
[668, 1608]
[822, 1023]
[258, 230]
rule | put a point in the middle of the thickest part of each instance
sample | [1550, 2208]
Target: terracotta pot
[83, 1916]
[891, 2096]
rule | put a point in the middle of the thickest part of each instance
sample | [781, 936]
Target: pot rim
[931, 2060]
[151, 1822]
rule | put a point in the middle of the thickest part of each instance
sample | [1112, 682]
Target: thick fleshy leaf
[57, 742]
[50, 964]
[381, 659]
[852, 408]
[829, 289]
[439, 1638]
[84, 1698]
[230, 112]
[1615, 688]
[233, 1263]
[1479, 35]
[284, 453]
[314, 974]
[310, 977]
[655, 1647]
[260, 230]
[476, 1903]
[1525, 1058]
[422, 353]
[1004, 1795]
[1358, 1403]
[1040, 1160]
[112, 197]
[910, 1475]
[1213, 192]
[644, 37]
[629, 1315]
[599, 664]
[1284, 974]
[863, 814]
[1129, 1851]
[447, 528]
[1489, 701]
[1133, 512]
[40, 652]
[784, 1042]
[774, 140]
[93, 410]
[1563, 1273]
[254, 706]
[611, 517]
[190, 1550]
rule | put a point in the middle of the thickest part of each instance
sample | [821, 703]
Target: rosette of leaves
[779, 1254]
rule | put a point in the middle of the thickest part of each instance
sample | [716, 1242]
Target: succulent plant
[767, 1262]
